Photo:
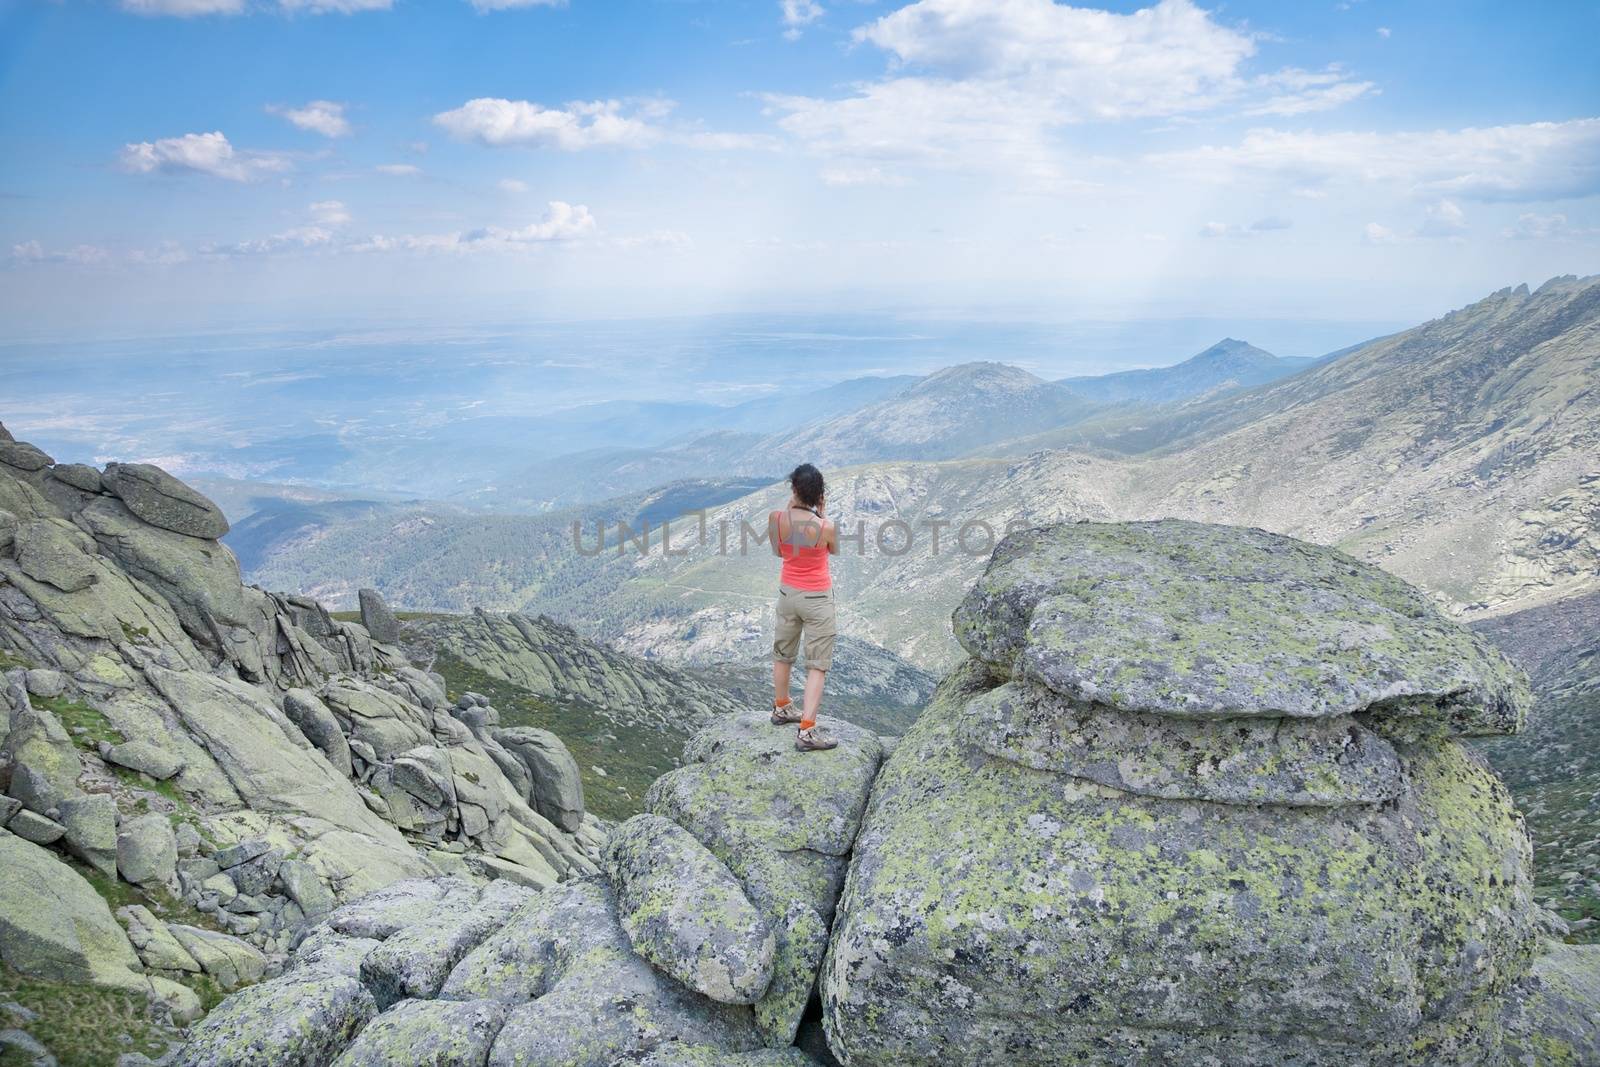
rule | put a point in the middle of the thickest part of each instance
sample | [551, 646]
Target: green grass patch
[10, 661]
[163, 904]
[631, 759]
[76, 717]
[86, 1026]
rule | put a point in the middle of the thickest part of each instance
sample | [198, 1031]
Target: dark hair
[806, 481]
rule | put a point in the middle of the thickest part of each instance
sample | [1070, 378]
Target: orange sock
[781, 702]
[807, 721]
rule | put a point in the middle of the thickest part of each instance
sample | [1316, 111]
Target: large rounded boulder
[1194, 799]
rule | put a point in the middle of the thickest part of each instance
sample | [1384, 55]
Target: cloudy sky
[204, 163]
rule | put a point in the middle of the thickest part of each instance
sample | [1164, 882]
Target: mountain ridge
[1228, 364]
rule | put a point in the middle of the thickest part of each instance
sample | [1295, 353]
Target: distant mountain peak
[1228, 364]
[981, 378]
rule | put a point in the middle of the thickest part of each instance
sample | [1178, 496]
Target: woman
[803, 537]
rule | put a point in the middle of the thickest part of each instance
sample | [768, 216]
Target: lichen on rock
[1194, 799]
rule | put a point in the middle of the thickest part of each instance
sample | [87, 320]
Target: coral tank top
[804, 566]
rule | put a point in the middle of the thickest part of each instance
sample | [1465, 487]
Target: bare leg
[813, 699]
[780, 680]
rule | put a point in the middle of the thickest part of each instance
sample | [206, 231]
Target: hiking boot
[812, 741]
[786, 715]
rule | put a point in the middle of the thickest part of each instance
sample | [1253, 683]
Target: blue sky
[205, 163]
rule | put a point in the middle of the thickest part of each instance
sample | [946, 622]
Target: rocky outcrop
[161, 500]
[685, 913]
[555, 786]
[784, 823]
[54, 926]
[1193, 856]
[701, 946]
[238, 754]
[1051, 870]
[551, 660]
[377, 618]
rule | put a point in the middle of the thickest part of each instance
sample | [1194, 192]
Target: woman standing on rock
[804, 539]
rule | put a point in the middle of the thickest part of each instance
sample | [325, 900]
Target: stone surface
[53, 552]
[146, 758]
[147, 850]
[422, 1033]
[307, 711]
[1321, 763]
[292, 1021]
[91, 825]
[44, 762]
[23, 456]
[1553, 1017]
[377, 618]
[382, 914]
[232, 962]
[46, 683]
[585, 998]
[161, 500]
[783, 822]
[1000, 913]
[1189, 620]
[557, 784]
[306, 889]
[157, 947]
[326, 950]
[53, 925]
[684, 911]
[78, 475]
[31, 826]
[414, 962]
[710, 1056]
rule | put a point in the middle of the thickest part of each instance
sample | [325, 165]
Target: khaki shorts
[808, 611]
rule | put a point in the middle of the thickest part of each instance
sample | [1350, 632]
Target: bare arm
[774, 531]
[830, 533]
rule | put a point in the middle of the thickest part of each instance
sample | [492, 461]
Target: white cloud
[991, 84]
[34, 252]
[191, 8]
[583, 124]
[562, 222]
[1299, 92]
[295, 238]
[1374, 234]
[1161, 60]
[1253, 229]
[320, 116]
[184, 8]
[507, 5]
[329, 213]
[1444, 219]
[398, 170]
[327, 217]
[672, 239]
[1555, 227]
[1540, 160]
[844, 177]
[1384, 32]
[578, 125]
[202, 153]
[797, 14]
[333, 7]
[511, 185]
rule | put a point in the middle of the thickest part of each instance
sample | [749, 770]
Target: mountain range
[1228, 364]
[1458, 454]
